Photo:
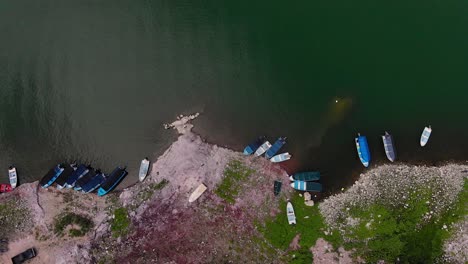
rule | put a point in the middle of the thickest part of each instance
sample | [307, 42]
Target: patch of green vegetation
[120, 224]
[234, 174]
[148, 192]
[385, 233]
[15, 216]
[83, 223]
[309, 225]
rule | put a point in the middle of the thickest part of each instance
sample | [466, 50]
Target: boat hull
[306, 176]
[62, 179]
[275, 147]
[277, 187]
[389, 147]
[363, 150]
[112, 181]
[307, 186]
[290, 214]
[281, 157]
[76, 175]
[197, 193]
[263, 148]
[13, 177]
[93, 184]
[84, 179]
[51, 176]
[252, 147]
[144, 167]
[425, 136]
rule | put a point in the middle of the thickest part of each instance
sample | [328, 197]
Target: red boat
[5, 188]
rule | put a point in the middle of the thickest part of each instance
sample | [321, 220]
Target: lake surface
[94, 80]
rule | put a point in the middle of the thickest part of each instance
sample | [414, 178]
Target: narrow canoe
[305, 176]
[197, 193]
[307, 186]
[425, 136]
[252, 147]
[281, 157]
[263, 148]
[290, 214]
[13, 176]
[275, 147]
[389, 146]
[277, 187]
[363, 150]
[144, 167]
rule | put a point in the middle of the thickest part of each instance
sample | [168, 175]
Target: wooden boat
[252, 147]
[290, 214]
[263, 148]
[112, 181]
[389, 146]
[5, 187]
[363, 150]
[197, 193]
[425, 136]
[307, 186]
[277, 187]
[275, 147]
[281, 157]
[305, 176]
[144, 167]
[13, 176]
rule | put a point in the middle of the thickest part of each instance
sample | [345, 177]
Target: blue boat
[78, 173]
[275, 147]
[112, 181]
[94, 183]
[84, 180]
[252, 147]
[305, 176]
[363, 150]
[307, 186]
[51, 176]
[67, 172]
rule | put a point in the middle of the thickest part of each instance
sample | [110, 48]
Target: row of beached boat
[362, 146]
[262, 146]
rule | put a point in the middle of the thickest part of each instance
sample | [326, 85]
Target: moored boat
[305, 176]
[112, 181]
[363, 150]
[425, 136]
[252, 147]
[144, 167]
[5, 187]
[51, 176]
[307, 186]
[281, 157]
[290, 214]
[263, 148]
[13, 176]
[77, 174]
[94, 183]
[197, 193]
[277, 187]
[63, 177]
[84, 179]
[389, 146]
[275, 147]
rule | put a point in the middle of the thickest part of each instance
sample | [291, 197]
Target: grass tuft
[234, 174]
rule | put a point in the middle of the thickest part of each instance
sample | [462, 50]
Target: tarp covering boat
[363, 150]
[281, 157]
[277, 187]
[112, 181]
[85, 179]
[77, 174]
[389, 146]
[263, 148]
[290, 214]
[63, 177]
[307, 186]
[13, 176]
[144, 167]
[305, 176]
[425, 136]
[252, 147]
[94, 183]
[51, 176]
[275, 147]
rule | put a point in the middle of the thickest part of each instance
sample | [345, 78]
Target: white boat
[281, 157]
[144, 167]
[425, 136]
[197, 193]
[263, 148]
[13, 176]
[290, 214]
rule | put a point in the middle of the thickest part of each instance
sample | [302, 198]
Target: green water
[94, 81]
